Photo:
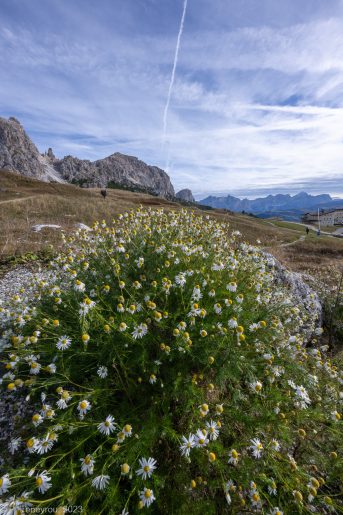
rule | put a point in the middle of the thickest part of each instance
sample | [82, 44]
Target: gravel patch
[14, 409]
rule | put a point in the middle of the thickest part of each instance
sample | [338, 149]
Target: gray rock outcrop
[19, 154]
[186, 195]
[116, 170]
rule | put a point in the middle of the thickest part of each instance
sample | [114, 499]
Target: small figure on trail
[307, 230]
[103, 193]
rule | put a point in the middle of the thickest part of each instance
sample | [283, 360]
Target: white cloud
[97, 93]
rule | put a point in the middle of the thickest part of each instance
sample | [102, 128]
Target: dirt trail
[17, 199]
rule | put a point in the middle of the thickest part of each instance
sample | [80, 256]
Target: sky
[255, 107]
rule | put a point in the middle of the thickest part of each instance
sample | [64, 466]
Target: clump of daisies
[168, 371]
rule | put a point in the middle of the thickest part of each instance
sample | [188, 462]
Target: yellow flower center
[146, 468]
[234, 454]
[256, 497]
[83, 405]
[39, 481]
[147, 494]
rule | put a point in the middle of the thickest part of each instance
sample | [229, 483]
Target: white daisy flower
[201, 438]
[232, 323]
[140, 331]
[127, 430]
[100, 482]
[147, 497]
[5, 483]
[256, 448]
[63, 343]
[43, 446]
[14, 445]
[187, 445]
[213, 430]
[147, 467]
[83, 407]
[102, 372]
[87, 465]
[51, 368]
[233, 457]
[107, 427]
[43, 482]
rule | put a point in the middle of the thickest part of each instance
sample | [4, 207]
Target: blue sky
[256, 106]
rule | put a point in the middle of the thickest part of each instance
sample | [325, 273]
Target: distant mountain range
[285, 206]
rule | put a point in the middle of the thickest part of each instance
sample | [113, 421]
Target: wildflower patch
[169, 372]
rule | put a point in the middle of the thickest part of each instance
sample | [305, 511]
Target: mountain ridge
[274, 205]
[19, 154]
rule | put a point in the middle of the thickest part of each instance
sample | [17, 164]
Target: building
[326, 217]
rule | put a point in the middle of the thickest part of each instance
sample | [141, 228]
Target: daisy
[256, 448]
[147, 467]
[140, 331]
[43, 446]
[35, 367]
[5, 483]
[232, 323]
[102, 372]
[201, 439]
[152, 379]
[43, 482]
[107, 427]
[51, 368]
[272, 489]
[274, 444]
[87, 465]
[256, 386]
[83, 407]
[187, 445]
[233, 457]
[14, 445]
[63, 343]
[100, 482]
[276, 511]
[147, 497]
[212, 428]
[127, 430]
[231, 286]
[37, 419]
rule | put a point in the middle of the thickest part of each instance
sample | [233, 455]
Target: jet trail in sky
[165, 114]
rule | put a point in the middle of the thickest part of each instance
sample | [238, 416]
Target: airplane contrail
[171, 84]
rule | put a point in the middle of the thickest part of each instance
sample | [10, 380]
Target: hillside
[26, 202]
[19, 154]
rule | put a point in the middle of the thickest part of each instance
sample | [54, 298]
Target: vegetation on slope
[169, 372]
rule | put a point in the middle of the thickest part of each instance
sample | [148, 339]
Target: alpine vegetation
[167, 370]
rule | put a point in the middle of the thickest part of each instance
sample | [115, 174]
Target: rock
[19, 154]
[83, 227]
[39, 227]
[116, 170]
[50, 154]
[186, 195]
[300, 290]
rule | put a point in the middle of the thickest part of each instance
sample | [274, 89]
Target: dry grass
[25, 202]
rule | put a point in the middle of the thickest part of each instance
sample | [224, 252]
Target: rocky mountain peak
[19, 154]
[186, 195]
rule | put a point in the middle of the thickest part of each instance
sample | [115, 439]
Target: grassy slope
[25, 202]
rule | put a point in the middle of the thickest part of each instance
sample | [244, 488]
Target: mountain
[19, 154]
[285, 206]
[186, 195]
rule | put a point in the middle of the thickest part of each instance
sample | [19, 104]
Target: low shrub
[168, 371]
